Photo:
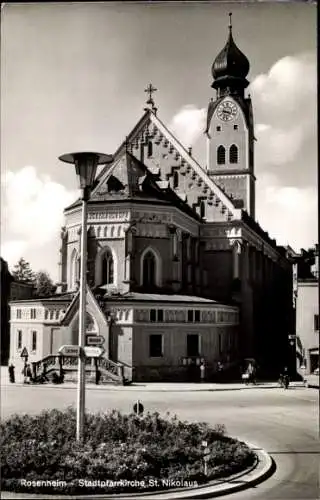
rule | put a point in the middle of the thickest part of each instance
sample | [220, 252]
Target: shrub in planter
[117, 447]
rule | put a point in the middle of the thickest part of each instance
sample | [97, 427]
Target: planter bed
[120, 453]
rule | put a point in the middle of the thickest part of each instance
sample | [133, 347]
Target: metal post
[82, 321]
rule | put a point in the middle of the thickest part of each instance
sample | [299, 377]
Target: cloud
[288, 213]
[188, 124]
[32, 212]
[284, 103]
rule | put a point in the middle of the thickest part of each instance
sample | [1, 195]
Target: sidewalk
[159, 386]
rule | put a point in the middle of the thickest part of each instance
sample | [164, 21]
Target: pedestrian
[202, 372]
[303, 374]
[28, 374]
[11, 373]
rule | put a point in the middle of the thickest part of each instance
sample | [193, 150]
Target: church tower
[230, 136]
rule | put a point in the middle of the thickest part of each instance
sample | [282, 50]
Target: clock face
[227, 111]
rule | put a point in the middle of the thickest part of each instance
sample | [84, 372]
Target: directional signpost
[94, 340]
[93, 352]
[70, 350]
[206, 456]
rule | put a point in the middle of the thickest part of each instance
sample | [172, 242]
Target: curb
[256, 474]
[148, 388]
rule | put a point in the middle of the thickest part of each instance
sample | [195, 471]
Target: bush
[117, 447]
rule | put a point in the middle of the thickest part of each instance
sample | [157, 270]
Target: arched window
[107, 268]
[150, 149]
[202, 210]
[149, 270]
[175, 180]
[233, 154]
[221, 155]
[74, 269]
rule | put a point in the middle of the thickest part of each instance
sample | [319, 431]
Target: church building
[179, 271]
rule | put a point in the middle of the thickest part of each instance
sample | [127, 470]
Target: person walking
[11, 373]
[28, 374]
[202, 372]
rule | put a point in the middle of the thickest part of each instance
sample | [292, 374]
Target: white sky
[73, 78]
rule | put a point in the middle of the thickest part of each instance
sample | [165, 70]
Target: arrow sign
[93, 352]
[70, 350]
[94, 340]
[24, 353]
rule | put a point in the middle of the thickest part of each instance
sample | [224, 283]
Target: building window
[202, 209]
[235, 127]
[156, 315]
[57, 314]
[107, 269]
[193, 347]
[175, 180]
[150, 149]
[19, 339]
[149, 270]
[194, 316]
[33, 313]
[34, 341]
[233, 154]
[18, 313]
[155, 346]
[221, 155]
[218, 128]
[51, 314]
[316, 322]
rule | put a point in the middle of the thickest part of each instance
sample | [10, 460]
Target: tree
[23, 272]
[44, 284]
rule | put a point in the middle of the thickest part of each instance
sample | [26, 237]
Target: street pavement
[283, 422]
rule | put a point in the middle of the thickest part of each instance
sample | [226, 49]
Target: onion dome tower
[229, 130]
[230, 69]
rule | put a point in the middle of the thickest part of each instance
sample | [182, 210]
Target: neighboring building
[307, 309]
[10, 290]
[178, 268]
[6, 280]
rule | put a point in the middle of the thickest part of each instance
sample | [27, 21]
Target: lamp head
[86, 165]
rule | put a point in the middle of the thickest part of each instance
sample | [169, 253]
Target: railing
[111, 367]
[70, 363]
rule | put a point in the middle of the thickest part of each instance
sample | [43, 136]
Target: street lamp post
[86, 167]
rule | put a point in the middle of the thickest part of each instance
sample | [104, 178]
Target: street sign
[93, 352]
[70, 350]
[94, 340]
[24, 353]
[138, 408]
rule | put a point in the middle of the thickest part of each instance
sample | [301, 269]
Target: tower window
[221, 155]
[233, 154]
[150, 149]
[218, 128]
[235, 127]
[149, 270]
[107, 269]
[175, 180]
